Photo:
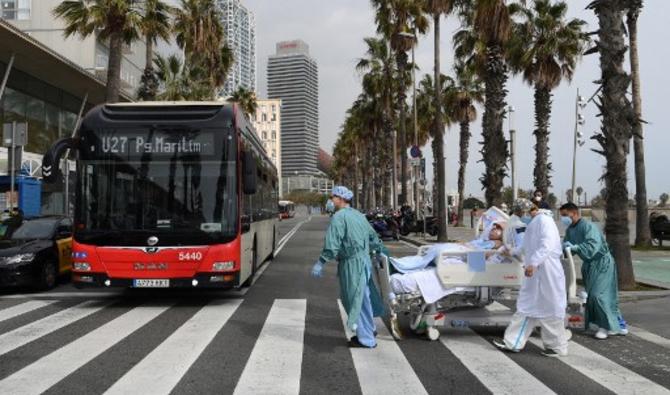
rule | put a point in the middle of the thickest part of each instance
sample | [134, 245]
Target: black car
[36, 253]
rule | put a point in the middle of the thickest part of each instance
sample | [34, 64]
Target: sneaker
[553, 353]
[620, 332]
[593, 327]
[501, 345]
[568, 335]
[354, 343]
[601, 334]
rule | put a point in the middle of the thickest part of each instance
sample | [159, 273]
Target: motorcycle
[386, 227]
[409, 224]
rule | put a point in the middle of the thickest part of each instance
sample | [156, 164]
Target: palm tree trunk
[356, 202]
[114, 68]
[438, 148]
[494, 149]
[149, 57]
[463, 162]
[642, 231]
[365, 178]
[402, 144]
[617, 113]
[542, 114]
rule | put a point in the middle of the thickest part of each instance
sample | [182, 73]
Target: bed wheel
[432, 333]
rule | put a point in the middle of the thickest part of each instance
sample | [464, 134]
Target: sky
[335, 30]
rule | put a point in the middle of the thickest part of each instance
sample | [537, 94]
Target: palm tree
[616, 131]
[246, 99]
[199, 32]
[155, 24]
[113, 21]
[483, 41]
[398, 21]
[467, 91]
[438, 8]
[378, 82]
[642, 231]
[579, 191]
[545, 48]
[170, 74]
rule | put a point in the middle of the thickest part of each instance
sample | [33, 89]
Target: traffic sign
[415, 151]
[414, 162]
[20, 134]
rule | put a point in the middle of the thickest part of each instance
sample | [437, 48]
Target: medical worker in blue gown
[350, 240]
[583, 238]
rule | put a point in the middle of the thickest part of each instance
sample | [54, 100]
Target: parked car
[36, 253]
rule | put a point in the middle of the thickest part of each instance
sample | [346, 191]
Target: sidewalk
[650, 269]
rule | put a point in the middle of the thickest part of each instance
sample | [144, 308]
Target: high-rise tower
[293, 78]
[240, 32]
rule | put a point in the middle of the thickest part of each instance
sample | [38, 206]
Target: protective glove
[317, 270]
[568, 246]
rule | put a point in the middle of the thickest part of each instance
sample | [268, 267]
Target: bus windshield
[177, 185]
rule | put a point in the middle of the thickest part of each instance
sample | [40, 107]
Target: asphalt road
[284, 335]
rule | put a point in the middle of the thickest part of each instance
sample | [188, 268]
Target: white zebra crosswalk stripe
[605, 372]
[23, 308]
[650, 337]
[27, 333]
[385, 369]
[162, 369]
[493, 368]
[275, 363]
[49, 370]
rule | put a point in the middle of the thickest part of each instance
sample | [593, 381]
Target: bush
[472, 202]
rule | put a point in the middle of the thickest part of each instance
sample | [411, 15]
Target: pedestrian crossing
[274, 361]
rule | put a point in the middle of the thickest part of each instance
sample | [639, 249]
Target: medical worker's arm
[334, 236]
[547, 239]
[591, 244]
[376, 245]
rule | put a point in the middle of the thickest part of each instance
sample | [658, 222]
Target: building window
[264, 117]
[265, 135]
[274, 135]
[15, 9]
[274, 116]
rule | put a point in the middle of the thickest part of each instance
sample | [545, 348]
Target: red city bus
[169, 195]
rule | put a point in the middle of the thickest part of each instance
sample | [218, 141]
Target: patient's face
[496, 233]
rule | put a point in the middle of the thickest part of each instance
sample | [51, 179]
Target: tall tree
[199, 32]
[618, 118]
[467, 91]
[155, 24]
[483, 40]
[246, 99]
[438, 8]
[545, 48]
[113, 21]
[642, 231]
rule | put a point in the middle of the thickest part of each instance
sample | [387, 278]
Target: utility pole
[580, 103]
[512, 140]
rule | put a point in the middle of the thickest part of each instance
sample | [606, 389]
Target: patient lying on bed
[419, 273]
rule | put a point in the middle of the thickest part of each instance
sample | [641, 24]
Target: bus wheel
[49, 275]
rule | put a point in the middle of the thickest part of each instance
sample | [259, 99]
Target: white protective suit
[542, 299]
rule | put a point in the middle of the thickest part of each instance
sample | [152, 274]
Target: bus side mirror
[51, 159]
[249, 173]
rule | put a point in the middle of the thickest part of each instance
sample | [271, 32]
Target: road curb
[412, 241]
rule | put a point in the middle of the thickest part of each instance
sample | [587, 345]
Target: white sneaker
[593, 327]
[601, 334]
[620, 332]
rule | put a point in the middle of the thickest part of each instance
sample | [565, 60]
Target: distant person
[584, 239]
[538, 200]
[473, 217]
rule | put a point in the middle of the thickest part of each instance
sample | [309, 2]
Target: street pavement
[285, 335]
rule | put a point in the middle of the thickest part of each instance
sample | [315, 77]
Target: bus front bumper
[200, 280]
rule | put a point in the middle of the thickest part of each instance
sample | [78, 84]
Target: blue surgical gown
[349, 239]
[598, 273]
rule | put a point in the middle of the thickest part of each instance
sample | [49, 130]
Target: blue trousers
[365, 327]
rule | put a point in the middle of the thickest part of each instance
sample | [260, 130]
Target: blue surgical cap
[343, 192]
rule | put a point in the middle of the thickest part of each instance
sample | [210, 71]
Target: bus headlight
[223, 266]
[81, 266]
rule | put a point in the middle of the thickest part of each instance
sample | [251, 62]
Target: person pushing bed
[350, 240]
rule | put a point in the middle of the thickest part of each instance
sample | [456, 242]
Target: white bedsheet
[426, 282]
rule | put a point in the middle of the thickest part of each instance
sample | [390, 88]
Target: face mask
[567, 221]
[526, 219]
[538, 198]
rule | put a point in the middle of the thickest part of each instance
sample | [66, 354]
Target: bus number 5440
[190, 256]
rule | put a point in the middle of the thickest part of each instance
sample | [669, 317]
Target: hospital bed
[480, 284]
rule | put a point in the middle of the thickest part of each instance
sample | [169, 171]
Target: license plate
[142, 283]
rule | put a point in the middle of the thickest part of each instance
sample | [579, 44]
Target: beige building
[35, 18]
[267, 122]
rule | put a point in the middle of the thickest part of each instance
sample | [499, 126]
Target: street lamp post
[512, 154]
[580, 103]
